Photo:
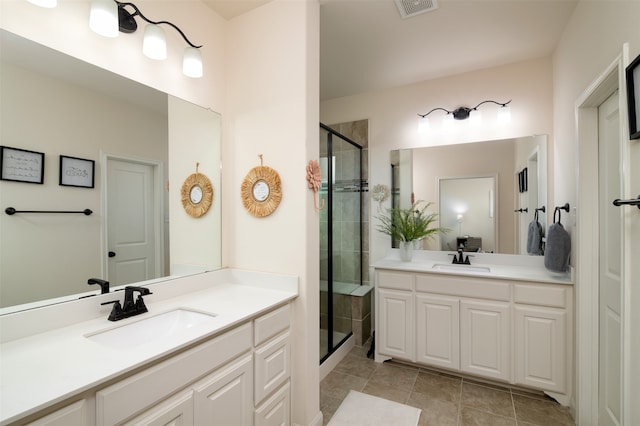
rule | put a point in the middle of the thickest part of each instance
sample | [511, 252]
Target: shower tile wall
[357, 131]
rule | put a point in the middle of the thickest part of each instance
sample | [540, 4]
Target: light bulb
[154, 45]
[475, 116]
[103, 18]
[504, 115]
[192, 62]
[423, 125]
[44, 3]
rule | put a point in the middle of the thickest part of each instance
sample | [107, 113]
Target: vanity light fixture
[462, 113]
[108, 17]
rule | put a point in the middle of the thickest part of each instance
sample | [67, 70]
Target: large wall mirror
[55, 104]
[486, 193]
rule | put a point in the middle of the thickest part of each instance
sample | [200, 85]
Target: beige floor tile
[539, 412]
[357, 366]
[396, 376]
[438, 387]
[486, 399]
[337, 385]
[473, 417]
[329, 406]
[435, 412]
[444, 399]
[387, 392]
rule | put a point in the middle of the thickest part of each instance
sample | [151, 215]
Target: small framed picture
[633, 97]
[21, 165]
[77, 172]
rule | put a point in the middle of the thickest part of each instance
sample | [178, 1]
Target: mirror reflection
[476, 191]
[58, 105]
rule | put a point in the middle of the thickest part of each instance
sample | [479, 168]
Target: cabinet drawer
[271, 324]
[275, 410]
[177, 410]
[395, 280]
[73, 414]
[465, 287]
[272, 366]
[540, 295]
[130, 396]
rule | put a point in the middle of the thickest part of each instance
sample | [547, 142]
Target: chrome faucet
[129, 308]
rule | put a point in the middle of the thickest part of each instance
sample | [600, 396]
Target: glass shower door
[340, 237]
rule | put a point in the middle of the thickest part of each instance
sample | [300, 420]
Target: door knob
[112, 254]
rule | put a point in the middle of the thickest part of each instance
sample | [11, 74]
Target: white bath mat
[359, 409]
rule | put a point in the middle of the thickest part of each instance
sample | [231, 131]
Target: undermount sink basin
[461, 268]
[152, 328]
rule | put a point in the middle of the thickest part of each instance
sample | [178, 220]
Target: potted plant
[409, 225]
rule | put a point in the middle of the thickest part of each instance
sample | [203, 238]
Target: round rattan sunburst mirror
[197, 194]
[261, 190]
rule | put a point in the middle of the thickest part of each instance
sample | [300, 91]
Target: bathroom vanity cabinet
[501, 329]
[241, 377]
[232, 367]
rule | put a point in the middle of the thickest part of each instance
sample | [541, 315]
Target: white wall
[591, 42]
[272, 104]
[393, 118]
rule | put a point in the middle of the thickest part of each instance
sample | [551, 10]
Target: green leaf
[409, 224]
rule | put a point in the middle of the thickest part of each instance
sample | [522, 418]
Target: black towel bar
[541, 209]
[525, 210]
[11, 211]
[632, 202]
[565, 207]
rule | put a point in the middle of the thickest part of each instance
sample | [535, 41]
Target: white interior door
[611, 259]
[131, 222]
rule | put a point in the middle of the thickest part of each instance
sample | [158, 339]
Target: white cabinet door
[73, 414]
[226, 396]
[175, 411]
[540, 341]
[396, 335]
[272, 366]
[276, 410]
[484, 333]
[438, 330]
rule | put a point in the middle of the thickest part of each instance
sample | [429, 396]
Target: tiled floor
[444, 399]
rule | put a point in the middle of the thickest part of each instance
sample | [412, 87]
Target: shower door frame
[331, 345]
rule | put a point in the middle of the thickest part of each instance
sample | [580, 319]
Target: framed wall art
[77, 172]
[633, 97]
[21, 165]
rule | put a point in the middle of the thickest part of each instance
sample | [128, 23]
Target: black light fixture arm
[128, 24]
[435, 109]
[497, 103]
[462, 113]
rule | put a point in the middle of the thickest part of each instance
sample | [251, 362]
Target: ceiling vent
[409, 8]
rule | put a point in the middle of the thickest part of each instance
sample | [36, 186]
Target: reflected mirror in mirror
[482, 219]
[58, 105]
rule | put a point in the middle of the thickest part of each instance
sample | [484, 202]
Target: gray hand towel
[558, 249]
[534, 238]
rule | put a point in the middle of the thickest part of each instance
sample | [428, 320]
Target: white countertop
[41, 369]
[502, 266]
